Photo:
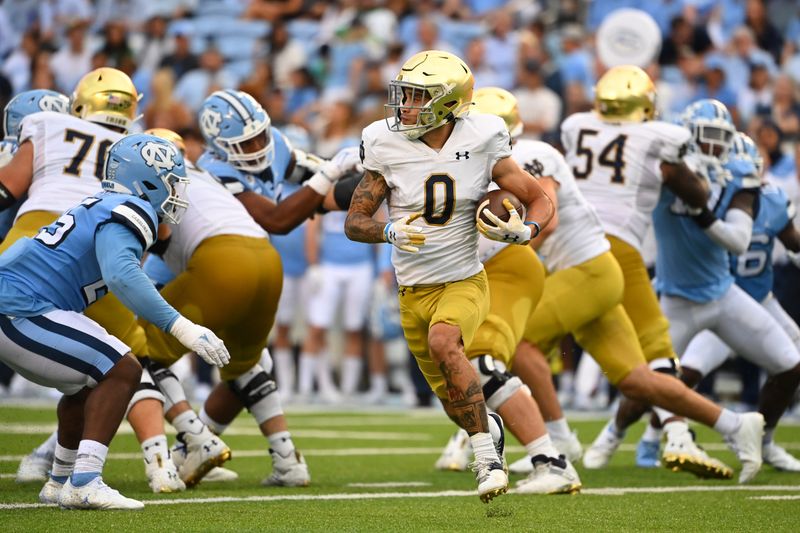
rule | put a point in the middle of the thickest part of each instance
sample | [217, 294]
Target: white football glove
[201, 341]
[514, 231]
[403, 235]
[305, 166]
[329, 172]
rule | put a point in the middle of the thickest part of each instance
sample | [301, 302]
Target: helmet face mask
[238, 130]
[712, 130]
[432, 88]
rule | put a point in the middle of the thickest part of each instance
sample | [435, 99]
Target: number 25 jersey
[69, 154]
[445, 186]
[617, 168]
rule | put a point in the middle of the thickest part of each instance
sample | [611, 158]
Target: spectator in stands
[427, 38]
[286, 55]
[163, 109]
[780, 165]
[301, 91]
[767, 36]
[714, 85]
[756, 99]
[786, 108]
[156, 44]
[42, 76]
[539, 106]
[502, 48]
[211, 76]
[74, 58]
[259, 84]
[475, 57]
[17, 66]
[743, 52]
[181, 60]
[683, 36]
[576, 69]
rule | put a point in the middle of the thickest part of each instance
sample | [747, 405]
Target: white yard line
[422, 494]
[390, 485]
[782, 497]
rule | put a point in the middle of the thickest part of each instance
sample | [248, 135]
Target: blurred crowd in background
[321, 68]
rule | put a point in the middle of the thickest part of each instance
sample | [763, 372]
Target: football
[493, 201]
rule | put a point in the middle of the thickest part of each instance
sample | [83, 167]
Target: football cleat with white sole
[779, 458]
[196, 460]
[550, 475]
[220, 475]
[492, 479]
[681, 453]
[570, 447]
[34, 468]
[647, 454]
[456, 454]
[498, 433]
[521, 466]
[95, 495]
[288, 471]
[602, 449]
[746, 443]
[162, 476]
[50, 491]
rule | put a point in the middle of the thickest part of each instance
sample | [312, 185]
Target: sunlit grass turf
[422, 433]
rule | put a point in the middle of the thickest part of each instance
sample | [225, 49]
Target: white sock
[193, 429]
[63, 463]
[662, 414]
[651, 434]
[728, 422]
[558, 429]
[281, 442]
[769, 435]
[351, 373]
[47, 448]
[325, 373]
[217, 427]
[542, 446]
[611, 427]
[155, 446]
[89, 462]
[284, 369]
[483, 447]
[306, 372]
[378, 384]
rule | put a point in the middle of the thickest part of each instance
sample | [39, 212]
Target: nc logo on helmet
[159, 156]
[53, 103]
[210, 121]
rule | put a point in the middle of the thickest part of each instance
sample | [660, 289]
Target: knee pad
[498, 384]
[671, 366]
[146, 390]
[167, 383]
[256, 389]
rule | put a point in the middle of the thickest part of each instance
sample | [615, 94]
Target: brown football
[493, 201]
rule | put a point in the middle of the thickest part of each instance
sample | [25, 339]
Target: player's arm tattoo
[467, 408]
[360, 226]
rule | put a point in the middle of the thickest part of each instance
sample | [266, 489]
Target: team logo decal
[534, 168]
[159, 156]
[210, 121]
[52, 103]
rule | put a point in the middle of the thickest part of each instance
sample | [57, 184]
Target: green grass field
[373, 471]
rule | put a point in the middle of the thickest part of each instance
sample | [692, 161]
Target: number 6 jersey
[68, 158]
[617, 168]
[445, 186]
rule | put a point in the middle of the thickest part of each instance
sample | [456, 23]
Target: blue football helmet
[237, 129]
[150, 168]
[28, 102]
[712, 129]
[744, 144]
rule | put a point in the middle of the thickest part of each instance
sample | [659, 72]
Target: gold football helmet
[497, 101]
[168, 135]
[437, 84]
[106, 96]
[625, 94]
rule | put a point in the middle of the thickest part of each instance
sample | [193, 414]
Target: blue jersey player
[693, 267]
[47, 281]
[753, 273]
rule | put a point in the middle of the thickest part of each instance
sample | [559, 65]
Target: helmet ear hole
[150, 186]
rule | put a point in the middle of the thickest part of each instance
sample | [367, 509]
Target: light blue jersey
[689, 263]
[269, 183]
[69, 263]
[292, 246]
[753, 269]
[336, 248]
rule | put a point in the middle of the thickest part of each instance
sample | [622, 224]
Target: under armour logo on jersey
[53, 103]
[534, 168]
[210, 121]
[459, 155]
[159, 156]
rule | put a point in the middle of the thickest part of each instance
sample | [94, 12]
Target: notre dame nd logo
[535, 168]
[159, 156]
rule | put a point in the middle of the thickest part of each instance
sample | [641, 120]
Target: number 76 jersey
[444, 186]
[617, 168]
[68, 158]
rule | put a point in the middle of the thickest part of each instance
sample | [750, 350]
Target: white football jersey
[617, 168]
[69, 154]
[579, 235]
[445, 186]
[212, 211]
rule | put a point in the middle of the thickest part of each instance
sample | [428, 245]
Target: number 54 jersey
[444, 186]
[68, 158]
[617, 168]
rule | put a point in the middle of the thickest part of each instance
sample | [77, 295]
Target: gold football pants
[231, 285]
[462, 303]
